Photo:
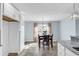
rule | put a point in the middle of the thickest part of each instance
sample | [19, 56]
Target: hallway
[33, 50]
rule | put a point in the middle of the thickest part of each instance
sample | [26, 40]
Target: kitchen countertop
[69, 44]
[0, 45]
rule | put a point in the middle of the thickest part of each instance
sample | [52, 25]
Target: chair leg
[48, 44]
[39, 43]
[51, 44]
[43, 44]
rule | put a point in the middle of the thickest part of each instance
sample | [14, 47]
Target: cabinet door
[11, 12]
[8, 10]
[16, 15]
[70, 53]
[60, 50]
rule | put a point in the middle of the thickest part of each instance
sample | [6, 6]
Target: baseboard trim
[29, 41]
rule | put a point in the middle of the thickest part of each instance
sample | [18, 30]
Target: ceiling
[45, 11]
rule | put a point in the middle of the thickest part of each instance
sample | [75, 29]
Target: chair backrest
[51, 37]
[40, 37]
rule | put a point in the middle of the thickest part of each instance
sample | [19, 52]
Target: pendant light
[75, 11]
[42, 25]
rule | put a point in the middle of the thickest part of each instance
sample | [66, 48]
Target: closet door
[0, 10]
[0, 32]
[5, 38]
[0, 23]
[0, 29]
[14, 37]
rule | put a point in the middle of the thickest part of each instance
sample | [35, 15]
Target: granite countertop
[0, 45]
[69, 44]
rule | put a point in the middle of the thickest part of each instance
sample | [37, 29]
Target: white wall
[21, 33]
[14, 42]
[77, 27]
[67, 27]
[28, 31]
[56, 30]
[22, 39]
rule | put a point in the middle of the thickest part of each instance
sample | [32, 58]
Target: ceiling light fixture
[75, 11]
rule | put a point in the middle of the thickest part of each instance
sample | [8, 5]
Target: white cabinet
[0, 50]
[11, 12]
[70, 53]
[61, 49]
[8, 10]
[16, 15]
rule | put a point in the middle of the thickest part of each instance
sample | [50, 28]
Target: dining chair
[45, 40]
[51, 39]
[39, 39]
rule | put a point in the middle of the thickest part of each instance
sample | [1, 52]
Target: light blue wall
[60, 29]
[67, 29]
[56, 30]
[28, 31]
[77, 27]
[64, 29]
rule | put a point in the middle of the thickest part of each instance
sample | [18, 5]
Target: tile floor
[33, 50]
